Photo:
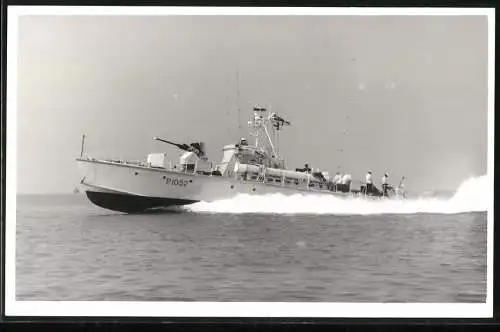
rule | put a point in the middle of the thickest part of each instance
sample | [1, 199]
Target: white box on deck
[157, 160]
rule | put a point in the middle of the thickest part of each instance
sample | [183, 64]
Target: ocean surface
[70, 250]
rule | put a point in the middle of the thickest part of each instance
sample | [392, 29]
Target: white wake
[474, 194]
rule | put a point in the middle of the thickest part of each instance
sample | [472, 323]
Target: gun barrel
[197, 148]
[180, 146]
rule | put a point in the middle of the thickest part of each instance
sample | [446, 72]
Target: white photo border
[228, 309]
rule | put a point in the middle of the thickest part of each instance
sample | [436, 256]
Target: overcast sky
[407, 95]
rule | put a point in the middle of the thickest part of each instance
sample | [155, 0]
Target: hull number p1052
[176, 182]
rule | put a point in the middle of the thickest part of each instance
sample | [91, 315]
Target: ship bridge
[265, 151]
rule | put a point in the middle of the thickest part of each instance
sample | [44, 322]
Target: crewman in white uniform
[369, 182]
[400, 190]
[346, 181]
[336, 180]
[385, 183]
[326, 176]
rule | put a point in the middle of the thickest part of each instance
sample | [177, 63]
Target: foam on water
[474, 194]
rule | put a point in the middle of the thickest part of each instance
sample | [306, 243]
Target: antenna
[345, 132]
[83, 146]
[238, 98]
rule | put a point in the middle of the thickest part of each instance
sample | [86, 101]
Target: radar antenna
[260, 124]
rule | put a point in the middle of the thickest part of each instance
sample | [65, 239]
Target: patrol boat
[258, 169]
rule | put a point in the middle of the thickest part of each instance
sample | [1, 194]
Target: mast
[238, 98]
[260, 124]
[83, 146]
[275, 154]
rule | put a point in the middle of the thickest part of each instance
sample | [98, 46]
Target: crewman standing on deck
[346, 182]
[385, 183]
[336, 180]
[400, 190]
[369, 182]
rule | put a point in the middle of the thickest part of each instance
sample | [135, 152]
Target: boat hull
[128, 203]
[134, 189]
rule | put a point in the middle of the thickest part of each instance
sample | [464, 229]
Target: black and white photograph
[249, 162]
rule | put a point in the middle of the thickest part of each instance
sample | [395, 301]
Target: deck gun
[198, 147]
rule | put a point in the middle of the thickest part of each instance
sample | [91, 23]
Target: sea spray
[475, 194]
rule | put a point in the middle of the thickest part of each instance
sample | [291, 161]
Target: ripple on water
[78, 253]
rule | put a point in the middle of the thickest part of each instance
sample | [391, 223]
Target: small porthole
[190, 181]
[232, 186]
[135, 173]
[164, 177]
[253, 189]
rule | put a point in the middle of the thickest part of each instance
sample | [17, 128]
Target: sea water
[256, 248]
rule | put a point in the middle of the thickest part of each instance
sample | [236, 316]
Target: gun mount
[197, 147]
